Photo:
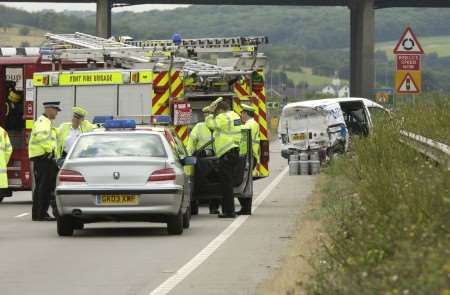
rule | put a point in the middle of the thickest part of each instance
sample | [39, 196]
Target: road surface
[215, 256]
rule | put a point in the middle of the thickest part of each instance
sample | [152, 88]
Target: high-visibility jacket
[43, 138]
[254, 129]
[226, 132]
[5, 155]
[63, 132]
[199, 137]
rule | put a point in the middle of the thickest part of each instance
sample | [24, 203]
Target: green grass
[439, 45]
[387, 214]
[434, 119]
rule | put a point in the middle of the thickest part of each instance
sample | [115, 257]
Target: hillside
[439, 45]
[13, 37]
[306, 27]
[300, 37]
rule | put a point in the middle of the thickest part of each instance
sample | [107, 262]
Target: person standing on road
[199, 144]
[200, 135]
[250, 123]
[226, 126]
[68, 132]
[43, 152]
[5, 155]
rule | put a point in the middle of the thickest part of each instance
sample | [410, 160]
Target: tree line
[300, 37]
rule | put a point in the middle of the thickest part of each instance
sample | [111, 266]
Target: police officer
[250, 123]
[68, 132]
[200, 135]
[5, 155]
[42, 151]
[226, 126]
[199, 138]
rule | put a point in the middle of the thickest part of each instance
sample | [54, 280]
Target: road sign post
[408, 75]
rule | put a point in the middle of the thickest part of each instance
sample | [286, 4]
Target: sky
[65, 6]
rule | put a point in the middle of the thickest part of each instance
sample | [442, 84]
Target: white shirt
[73, 135]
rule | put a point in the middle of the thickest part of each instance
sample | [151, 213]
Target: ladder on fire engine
[206, 45]
[83, 47]
[82, 41]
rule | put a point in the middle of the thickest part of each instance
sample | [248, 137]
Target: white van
[324, 123]
[306, 126]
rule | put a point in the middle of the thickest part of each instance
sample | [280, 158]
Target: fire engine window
[14, 122]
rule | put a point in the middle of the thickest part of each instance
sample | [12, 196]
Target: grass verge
[387, 215]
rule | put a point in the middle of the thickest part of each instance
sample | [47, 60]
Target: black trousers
[45, 171]
[246, 204]
[214, 204]
[226, 164]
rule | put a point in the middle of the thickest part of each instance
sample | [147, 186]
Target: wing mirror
[189, 161]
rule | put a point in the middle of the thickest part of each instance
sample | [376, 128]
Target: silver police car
[124, 173]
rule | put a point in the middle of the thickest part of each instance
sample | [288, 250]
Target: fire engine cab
[17, 96]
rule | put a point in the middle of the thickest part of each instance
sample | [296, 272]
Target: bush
[389, 210]
[24, 31]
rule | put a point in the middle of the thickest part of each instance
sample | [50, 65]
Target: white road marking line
[22, 215]
[169, 284]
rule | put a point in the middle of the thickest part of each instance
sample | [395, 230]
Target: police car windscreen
[118, 145]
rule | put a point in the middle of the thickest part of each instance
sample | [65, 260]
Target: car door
[182, 153]
[244, 189]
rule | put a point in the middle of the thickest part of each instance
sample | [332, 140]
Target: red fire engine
[17, 66]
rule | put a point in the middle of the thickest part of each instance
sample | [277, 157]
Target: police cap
[52, 104]
[247, 108]
[79, 112]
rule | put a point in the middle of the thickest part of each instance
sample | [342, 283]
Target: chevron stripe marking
[158, 78]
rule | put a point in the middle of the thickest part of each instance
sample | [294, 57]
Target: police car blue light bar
[160, 120]
[101, 119]
[120, 124]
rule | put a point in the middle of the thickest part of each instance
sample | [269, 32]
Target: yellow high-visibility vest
[63, 132]
[255, 134]
[199, 136]
[5, 155]
[43, 138]
[226, 132]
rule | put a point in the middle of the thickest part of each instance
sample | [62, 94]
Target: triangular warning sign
[408, 85]
[408, 44]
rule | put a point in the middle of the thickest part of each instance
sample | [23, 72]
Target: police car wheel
[1, 199]
[64, 226]
[187, 218]
[175, 224]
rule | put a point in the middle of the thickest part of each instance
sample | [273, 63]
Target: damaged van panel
[324, 124]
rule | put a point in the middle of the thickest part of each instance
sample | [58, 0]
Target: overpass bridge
[362, 14]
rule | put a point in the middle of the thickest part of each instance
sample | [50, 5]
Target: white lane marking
[169, 284]
[22, 215]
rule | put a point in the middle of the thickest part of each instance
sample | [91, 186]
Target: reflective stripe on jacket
[63, 132]
[5, 155]
[254, 128]
[199, 136]
[226, 132]
[43, 138]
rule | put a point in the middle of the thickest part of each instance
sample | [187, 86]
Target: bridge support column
[103, 23]
[362, 47]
